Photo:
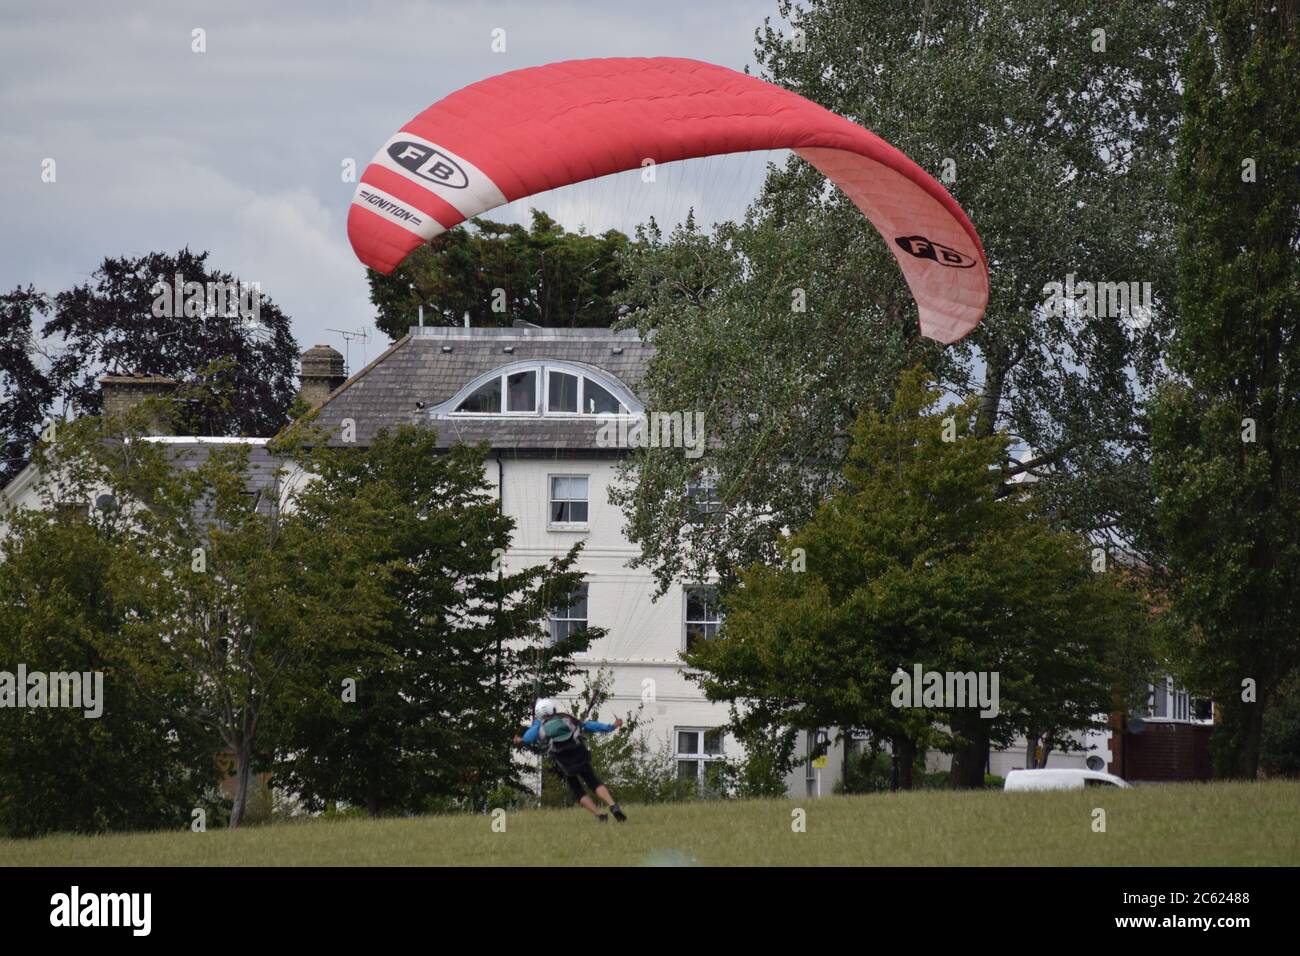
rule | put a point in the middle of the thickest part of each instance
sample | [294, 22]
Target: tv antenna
[361, 335]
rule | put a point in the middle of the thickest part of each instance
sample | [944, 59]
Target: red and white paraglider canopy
[541, 128]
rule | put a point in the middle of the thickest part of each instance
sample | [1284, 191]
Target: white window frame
[551, 499]
[1179, 704]
[700, 759]
[546, 391]
[552, 618]
[628, 405]
[704, 509]
[686, 619]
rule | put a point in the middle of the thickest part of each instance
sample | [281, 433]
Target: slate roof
[431, 363]
[260, 476]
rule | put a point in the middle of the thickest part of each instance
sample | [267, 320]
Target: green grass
[1217, 824]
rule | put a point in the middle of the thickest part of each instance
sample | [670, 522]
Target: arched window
[542, 388]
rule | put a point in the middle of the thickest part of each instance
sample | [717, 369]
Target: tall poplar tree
[1226, 428]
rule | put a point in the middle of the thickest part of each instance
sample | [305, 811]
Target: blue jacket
[593, 726]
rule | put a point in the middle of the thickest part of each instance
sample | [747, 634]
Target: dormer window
[542, 388]
[485, 399]
[598, 401]
[562, 392]
[521, 391]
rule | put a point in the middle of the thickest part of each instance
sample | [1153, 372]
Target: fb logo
[428, 163]
[923, 248]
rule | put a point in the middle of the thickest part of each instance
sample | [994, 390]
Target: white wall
[644, 635]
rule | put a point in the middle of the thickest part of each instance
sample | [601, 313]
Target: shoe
[603, 818]
[619, 815]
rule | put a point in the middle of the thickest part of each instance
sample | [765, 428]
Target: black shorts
[577, 776]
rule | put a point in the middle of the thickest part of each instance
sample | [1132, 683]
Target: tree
[459, 652]
[502, 273]
[231, 603]
[1226, 438]
[920, 560]
[135, 760]
[26, 393]
[785, 327]
[229, 343]
[1280, 746]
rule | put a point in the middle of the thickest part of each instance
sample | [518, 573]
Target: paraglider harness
[562, 736]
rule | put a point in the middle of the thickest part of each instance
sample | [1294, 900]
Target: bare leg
[590, 805]
[603, 792]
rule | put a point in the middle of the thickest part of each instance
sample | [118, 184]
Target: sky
[239, 150]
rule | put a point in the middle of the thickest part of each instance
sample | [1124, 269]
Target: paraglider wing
[541, 128]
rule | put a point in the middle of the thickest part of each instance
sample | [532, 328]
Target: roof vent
[446, 348]
[509, 350]
[617, 350]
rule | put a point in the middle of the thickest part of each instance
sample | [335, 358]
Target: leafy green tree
[142, 762]
[786, 326]
[768, 754]
[26, 393]
[546, 276]
[921, 559]
[457, 656]
[1280, 749]
[240, 371]
[1226, 429]
[227, 601]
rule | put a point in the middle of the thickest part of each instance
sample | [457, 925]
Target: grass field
[1174, 825]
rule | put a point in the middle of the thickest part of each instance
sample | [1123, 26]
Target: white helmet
[544, 708]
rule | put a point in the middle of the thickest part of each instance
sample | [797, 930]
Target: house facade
[543, 401]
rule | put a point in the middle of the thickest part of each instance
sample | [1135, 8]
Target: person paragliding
[561, 735]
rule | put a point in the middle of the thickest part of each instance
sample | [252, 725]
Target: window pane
[521, 391]
[1160, 704]
[688, 742]
[485, 398]
[713, 741]
[578, 511]
[699, 632]
[570, 487]
[688, 770]
[597, 400]
[570, 616]
[578, 604]
[701, 604]
[705, 500]
[563, 392]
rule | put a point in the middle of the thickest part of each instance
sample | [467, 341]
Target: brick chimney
[121, 393]
[322, 372]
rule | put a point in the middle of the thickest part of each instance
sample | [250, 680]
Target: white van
[1062, 780]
